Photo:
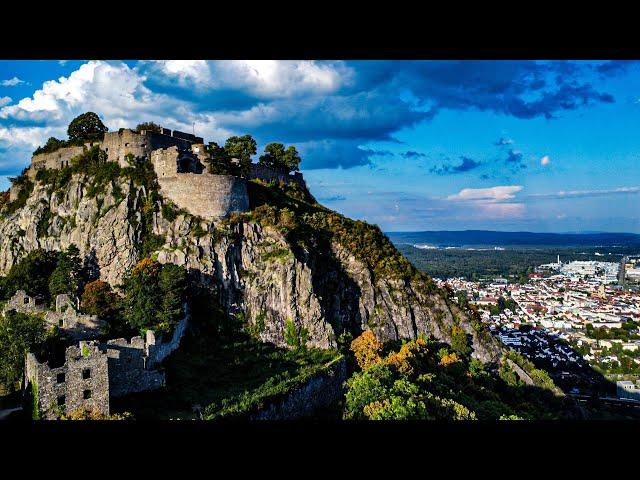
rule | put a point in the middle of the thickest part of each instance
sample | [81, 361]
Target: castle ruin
[66, 317]
[94, 372]
[179, 160]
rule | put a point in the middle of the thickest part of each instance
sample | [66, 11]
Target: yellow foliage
[86, 414]
[374, 407]
[366, 349]
[147, 265]
[449, 359]
[403, 360]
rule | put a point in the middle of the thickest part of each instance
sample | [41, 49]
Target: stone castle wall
[178, 159]
[55, 160]
[268, 175]
[125, 141]
[208, 196]
[157, 350]
[82, 382]
[128, 370]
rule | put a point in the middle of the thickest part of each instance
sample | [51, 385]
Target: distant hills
[487, 238]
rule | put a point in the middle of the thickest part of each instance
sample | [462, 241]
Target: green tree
[52, 145]
[241, 148]
[459, 341]
[148, 126]
[31, 274]
[219, 161]
[87, 126]
[276, 156]
[19, 334]
[67, 276]
[142, 297]
[172, 282]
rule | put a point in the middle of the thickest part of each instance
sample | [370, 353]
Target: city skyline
[409, 145]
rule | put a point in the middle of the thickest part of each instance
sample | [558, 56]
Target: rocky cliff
[288, 268]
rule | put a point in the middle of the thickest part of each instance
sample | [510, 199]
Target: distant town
[579, 320]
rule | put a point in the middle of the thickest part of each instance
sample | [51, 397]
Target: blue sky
[409, 145]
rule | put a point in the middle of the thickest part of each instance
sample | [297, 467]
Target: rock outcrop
[260, 277]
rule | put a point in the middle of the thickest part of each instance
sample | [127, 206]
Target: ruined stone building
[65, 316]
[179, 161]
[94, 372]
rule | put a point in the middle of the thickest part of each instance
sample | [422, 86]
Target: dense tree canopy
[31, 274]
[276, 156]
[148, 126]
[87, 126]
[67, 276]
[19, 334]
[154, 295]
[241, 148]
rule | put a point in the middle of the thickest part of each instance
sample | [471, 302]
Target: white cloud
[4, 101]
[545, 160]
[274, 78]
[265, 79]
[187, 72]
[12, 82]
[62, 62]
[586, 193]
[493, 194]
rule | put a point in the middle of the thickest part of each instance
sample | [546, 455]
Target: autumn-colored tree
[366, 349]
[98, 299]
[411, 355]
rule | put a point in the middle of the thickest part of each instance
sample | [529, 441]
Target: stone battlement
[178, 159]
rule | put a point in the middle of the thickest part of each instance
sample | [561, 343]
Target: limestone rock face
[260, 278]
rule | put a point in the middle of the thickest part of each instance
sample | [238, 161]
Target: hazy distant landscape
[477, 253]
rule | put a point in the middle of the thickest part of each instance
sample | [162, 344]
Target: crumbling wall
[23, 303]
[55, 160]
[81, 383]
[128, 370]
[157, 350]
[267, 174]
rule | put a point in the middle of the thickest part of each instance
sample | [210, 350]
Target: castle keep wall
[205, 195]
[124, 141]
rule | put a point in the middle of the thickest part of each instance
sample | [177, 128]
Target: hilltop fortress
[179, 160]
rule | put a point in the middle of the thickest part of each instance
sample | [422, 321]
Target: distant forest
[513, 263]
[470, 238]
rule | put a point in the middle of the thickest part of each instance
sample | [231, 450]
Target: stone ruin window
[61, 400]
[60, 378]
[61, 322]
[86, 394]
[86, 373]
[25, 300]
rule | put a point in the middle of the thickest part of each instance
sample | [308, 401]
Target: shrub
[366, 349]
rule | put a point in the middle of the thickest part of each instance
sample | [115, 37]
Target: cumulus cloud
[491, 203]
[329, 109]
[12, 82]
[466, 165]
[545, 160]
[4, 101]
[504, 141]
[492, 194]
